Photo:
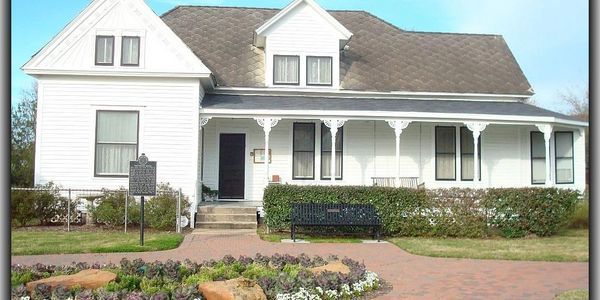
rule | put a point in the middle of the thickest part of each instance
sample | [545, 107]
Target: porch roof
[365, 107]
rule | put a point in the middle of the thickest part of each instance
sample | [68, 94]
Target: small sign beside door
[259, 156]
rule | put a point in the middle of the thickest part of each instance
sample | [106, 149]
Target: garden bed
[279, 277]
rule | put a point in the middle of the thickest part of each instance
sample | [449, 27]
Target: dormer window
[286, 69]
[318, 70]
[105, 45]
[130, 51]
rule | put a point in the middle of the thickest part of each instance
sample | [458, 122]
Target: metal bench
[316, 214]
[408, 182]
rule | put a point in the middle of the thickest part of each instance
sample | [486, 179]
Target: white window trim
[318, 67]
[118, 36]
[92, 138]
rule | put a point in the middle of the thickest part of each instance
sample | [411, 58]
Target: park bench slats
[335, 214]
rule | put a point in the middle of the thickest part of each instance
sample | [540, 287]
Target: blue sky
[549, 38]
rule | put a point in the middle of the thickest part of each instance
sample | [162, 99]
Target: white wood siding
[302, 32]
[369, 151]
[161, 51]
[168, 127]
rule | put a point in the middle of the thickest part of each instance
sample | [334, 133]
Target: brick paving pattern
[412, 276]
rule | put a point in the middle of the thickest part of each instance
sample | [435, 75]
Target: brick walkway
[413, 277]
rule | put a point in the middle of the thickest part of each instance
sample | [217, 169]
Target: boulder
[87, 279]
[234, 289]
[336, 266]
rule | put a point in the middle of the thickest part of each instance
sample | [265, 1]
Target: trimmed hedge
[514, 212]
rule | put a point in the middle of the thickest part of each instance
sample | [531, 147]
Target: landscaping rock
[87, 279]
[234, 289]
[336, 266]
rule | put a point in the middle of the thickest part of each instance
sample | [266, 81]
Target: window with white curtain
[105, 45]
[286, 69]
[538, 158]
[326, 152]
[467, 154]
[445, 153]
[304, 151]
[318, 70]
[563, 149]
[130, 51]
[116, 142]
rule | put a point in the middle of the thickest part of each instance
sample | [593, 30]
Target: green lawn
[570, 245]
[573, 295]
[278, 236]
[56, 242]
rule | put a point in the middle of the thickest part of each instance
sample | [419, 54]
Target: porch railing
[408, 182]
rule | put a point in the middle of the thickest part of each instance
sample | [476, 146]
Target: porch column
[546, 129]
[267, 124]
[333, 125]
[398, 126]
[199, 183]
[476, 128]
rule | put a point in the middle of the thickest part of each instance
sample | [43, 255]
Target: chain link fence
[57, 205]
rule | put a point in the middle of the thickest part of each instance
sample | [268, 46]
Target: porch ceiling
[384, 108]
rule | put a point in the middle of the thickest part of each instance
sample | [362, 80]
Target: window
[466, 154]
[105, 46]
[318, 70]
[563, 149]
[130, 51]
[445, 153]
[326, 152]
[116, 142]
[304, 151]
[286, 69]
[538, 158]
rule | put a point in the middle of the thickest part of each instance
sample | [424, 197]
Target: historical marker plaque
[142, 177]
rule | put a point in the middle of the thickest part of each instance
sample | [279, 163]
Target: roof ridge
[337, 10]
[453, 33]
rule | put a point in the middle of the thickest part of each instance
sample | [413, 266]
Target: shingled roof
[381, 56]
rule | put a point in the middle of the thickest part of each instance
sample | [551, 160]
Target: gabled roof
[381, 57]
[345, 34]
[50, 59]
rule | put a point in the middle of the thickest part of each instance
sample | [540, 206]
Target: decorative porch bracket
[333, 125]
[267, 124]
[476, 128]
[546, 129]
[203, 121]
[398, 126]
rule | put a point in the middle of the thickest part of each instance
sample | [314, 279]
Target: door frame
[218, 154]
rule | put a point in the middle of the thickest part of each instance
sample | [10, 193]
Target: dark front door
[232, 150]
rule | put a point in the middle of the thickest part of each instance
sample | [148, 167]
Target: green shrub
[43, 204]
[110, 209]
[514, 212]
[22, 207]
[400, 209]
[539, 211]
[581, 216]
[457, 212]
[161, 210]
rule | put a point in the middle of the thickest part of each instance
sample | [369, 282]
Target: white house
[204, 90]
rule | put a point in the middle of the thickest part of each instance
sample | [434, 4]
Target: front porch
[437, 153]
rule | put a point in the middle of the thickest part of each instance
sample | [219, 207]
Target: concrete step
[210, 209]
[226, 217]
[226, 225]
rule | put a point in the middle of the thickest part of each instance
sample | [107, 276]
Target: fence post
[179, 211]
[69, 212]
[126, 205]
